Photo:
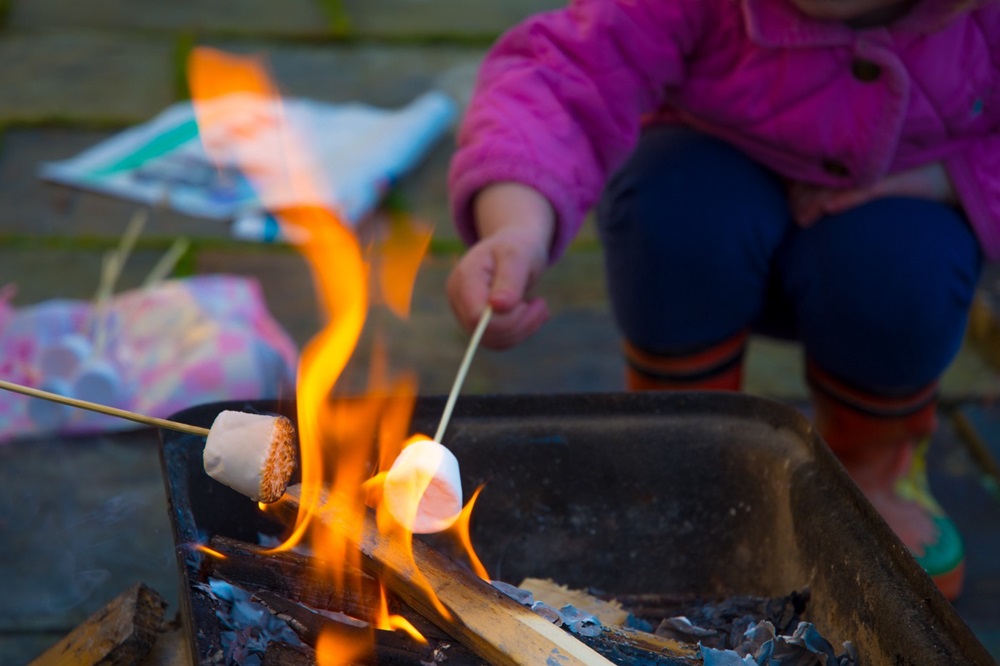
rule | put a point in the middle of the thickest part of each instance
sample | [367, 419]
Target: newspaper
[357, 151]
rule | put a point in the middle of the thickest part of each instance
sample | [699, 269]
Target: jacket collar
[777, 23]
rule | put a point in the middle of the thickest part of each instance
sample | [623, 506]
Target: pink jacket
[562, 97]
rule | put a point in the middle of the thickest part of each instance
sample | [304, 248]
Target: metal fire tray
[708, 494]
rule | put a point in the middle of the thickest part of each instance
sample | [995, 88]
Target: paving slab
[42, 274]
[84, 77]
[438, 18]
[303, 18]
[80, 521]
[962, 489]
[984, 319]
[379, 74]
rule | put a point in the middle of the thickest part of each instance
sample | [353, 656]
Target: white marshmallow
[63, 358]
[423, 488]
[98, 381]
[253, 454]
[48, 415]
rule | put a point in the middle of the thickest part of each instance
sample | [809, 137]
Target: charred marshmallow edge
[253, 454]
[423, 489]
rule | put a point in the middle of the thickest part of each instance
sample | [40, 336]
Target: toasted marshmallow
[254, 454]
[423, 488]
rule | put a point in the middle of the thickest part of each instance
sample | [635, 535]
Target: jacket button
[835, 168]
[865, 70]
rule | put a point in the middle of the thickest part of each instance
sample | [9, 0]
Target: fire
[211, 552]
[346, 444]
[461, 531]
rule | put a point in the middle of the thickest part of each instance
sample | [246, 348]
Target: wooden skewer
[166, 263]
[103, 409]
[484, 320]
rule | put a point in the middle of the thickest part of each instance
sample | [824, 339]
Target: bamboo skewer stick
[104, 409]
[167, 263]
[111, 269]
[484, 320]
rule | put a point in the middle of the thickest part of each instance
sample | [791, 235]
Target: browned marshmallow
[254, 454]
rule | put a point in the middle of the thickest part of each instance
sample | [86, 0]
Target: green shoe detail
[946, 553]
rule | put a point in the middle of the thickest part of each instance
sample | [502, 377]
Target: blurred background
[83, 515]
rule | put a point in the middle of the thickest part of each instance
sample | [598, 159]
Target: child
[827, 170]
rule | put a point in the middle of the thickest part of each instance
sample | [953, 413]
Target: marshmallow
[423, 489]
[48, 415]
[253, 454]
[98, 381]
[63, 358]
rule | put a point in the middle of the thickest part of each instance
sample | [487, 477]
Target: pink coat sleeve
[560, 99]
[975, 173]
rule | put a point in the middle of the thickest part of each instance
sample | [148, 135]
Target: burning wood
[288, 584]
[388, 647]
[282, 583]
[488, 622]
[293, 576]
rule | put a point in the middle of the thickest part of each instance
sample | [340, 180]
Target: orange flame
[389, 622]
[460, 529]
[345, 444]
[333, 649]
[211, 552]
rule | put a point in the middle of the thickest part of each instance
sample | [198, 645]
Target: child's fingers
[517, 325]
[468, 288]
[511, 277]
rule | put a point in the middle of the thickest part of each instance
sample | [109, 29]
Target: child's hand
[809, 203]
[515, 226]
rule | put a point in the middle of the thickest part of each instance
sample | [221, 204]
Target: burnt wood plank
[122, 632]
[292, 576]
[388, 647]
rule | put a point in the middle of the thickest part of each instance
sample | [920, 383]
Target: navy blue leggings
[700, 245]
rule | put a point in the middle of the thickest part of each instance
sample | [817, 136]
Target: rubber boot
[719, 368]
[882, 442]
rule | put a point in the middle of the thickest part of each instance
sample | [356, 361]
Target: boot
[719, 367]
[882, 443]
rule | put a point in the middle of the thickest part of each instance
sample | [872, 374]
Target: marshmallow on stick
[423, 489]
[251, 453]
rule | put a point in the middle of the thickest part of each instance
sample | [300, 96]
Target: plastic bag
[153, 351]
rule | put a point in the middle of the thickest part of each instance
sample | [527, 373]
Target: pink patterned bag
[153, 351]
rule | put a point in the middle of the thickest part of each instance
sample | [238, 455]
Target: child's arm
[558, 106]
